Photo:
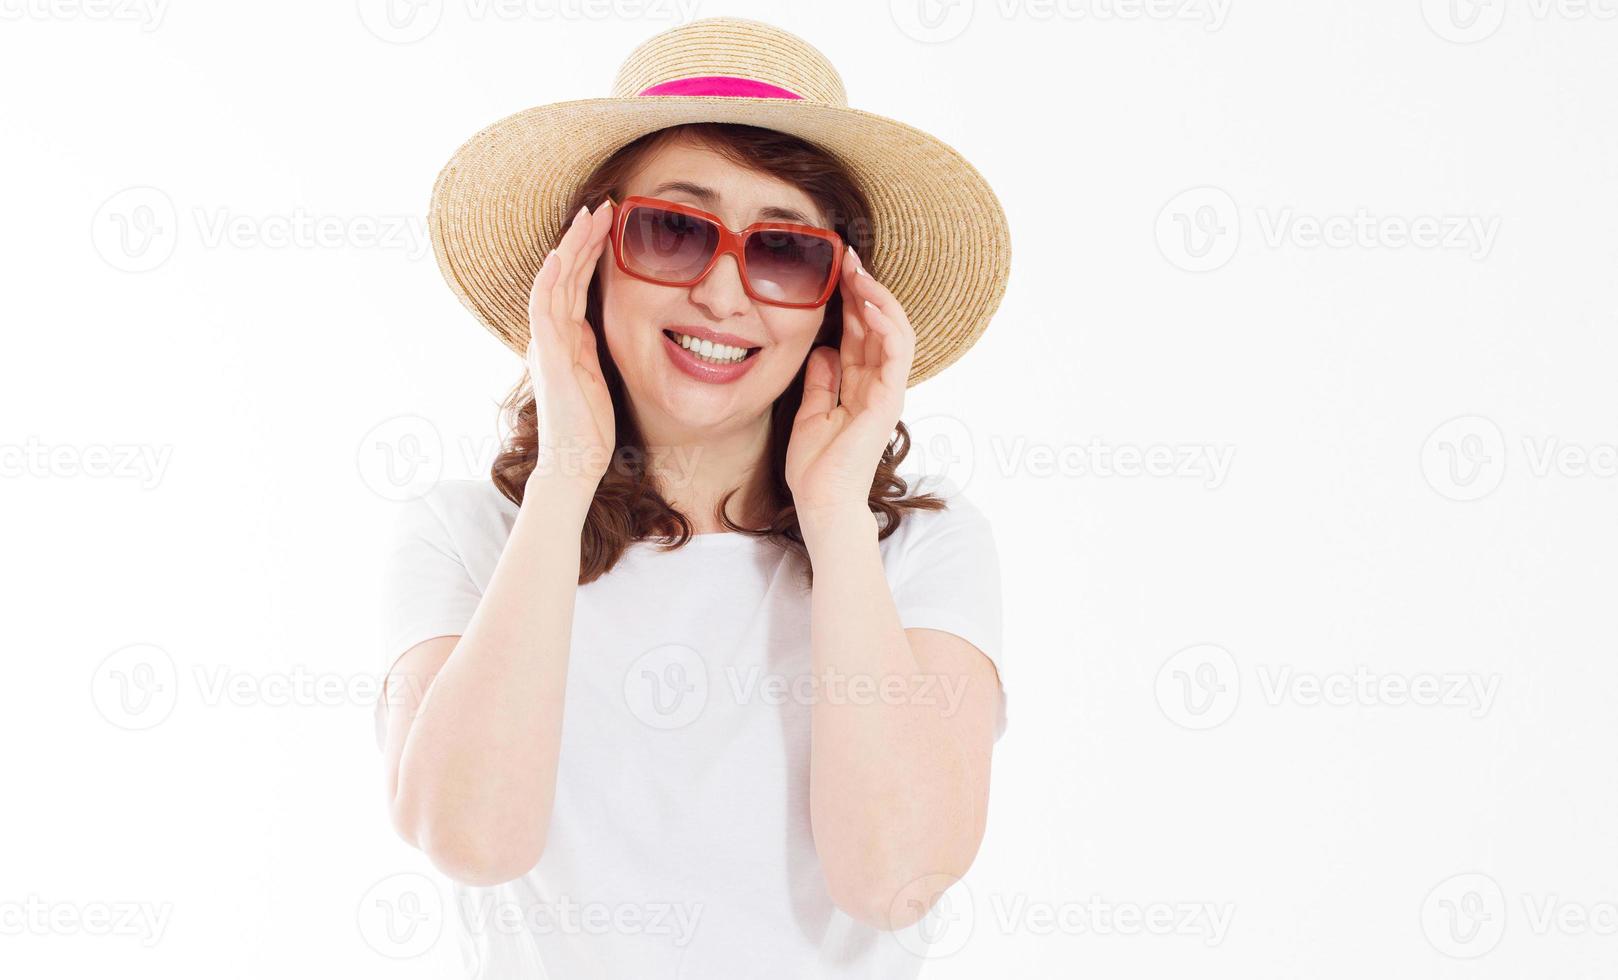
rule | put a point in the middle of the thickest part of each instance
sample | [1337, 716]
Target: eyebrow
[710, 199]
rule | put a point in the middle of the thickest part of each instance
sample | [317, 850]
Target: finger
[897, 351]
[539, 289]
[567, 256]
[863, 345]
[866, 287]
[854, 331]
[870, 349]
[595, 246]
[820, 381]
[539, 305]
[874, 335]
[545, 340]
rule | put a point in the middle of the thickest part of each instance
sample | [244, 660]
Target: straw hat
[941, 243]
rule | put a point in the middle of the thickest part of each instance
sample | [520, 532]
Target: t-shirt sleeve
[426, 589]
[949, 579]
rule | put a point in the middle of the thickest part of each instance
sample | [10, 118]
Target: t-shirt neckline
[710, 539]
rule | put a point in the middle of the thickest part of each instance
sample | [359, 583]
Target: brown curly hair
[628, 506]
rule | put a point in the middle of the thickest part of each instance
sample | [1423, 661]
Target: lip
[702, 370]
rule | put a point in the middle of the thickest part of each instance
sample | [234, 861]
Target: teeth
[709, 351]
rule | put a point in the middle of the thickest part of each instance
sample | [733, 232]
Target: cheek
[628, 305]
[796, 330]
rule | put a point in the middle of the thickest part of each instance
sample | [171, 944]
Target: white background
[1219, 215]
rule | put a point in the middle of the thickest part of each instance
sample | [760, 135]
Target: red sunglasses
[674, 244]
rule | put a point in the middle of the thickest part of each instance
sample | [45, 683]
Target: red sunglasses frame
[732, 242]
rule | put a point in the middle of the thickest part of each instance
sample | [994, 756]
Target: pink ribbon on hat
[721, 85]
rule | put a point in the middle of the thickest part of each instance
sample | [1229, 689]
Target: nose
[720, 292]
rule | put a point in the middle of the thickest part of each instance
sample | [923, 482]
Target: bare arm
[473, 738]
[899, 775]
[898, 781]
[472, 747]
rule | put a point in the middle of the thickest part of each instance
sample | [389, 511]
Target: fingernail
[859, 266]
[584, 211]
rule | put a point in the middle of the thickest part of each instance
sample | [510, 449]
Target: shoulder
[959, 506]
[462, 510]
[961, 517]
[459, 499]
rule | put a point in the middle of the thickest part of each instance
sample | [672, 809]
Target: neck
[694, 469]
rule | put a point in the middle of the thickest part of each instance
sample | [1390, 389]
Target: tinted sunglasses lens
[667, 245]
[789, 267]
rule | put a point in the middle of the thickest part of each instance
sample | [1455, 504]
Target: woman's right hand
[576, 427]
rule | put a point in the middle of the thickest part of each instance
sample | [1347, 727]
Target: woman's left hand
[852, 397]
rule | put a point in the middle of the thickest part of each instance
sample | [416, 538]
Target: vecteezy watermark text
[34, 916]
[147, 13]
[674, 921]
[938, 21]
[1466, 458]
[1200, 688]
[139, 228]
[1201, 229]
[409, 21]
[141, 462]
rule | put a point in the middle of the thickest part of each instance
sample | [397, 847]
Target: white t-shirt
[679, 844]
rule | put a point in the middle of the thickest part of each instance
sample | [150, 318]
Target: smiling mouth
[711, 352]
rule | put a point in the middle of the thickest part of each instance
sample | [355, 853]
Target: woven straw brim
[941, 242]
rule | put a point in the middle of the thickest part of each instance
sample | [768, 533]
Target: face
[642, 321]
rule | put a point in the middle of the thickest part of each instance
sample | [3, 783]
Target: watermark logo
[667, 686]
[401, 21]
[955, 912]
[1464, 916]
[34, 916]
[1366, 688]
[946, 925]
[931, 21]
[146, 13]
[1199, 229]
[1464, 21]
[135, 687]
[1464, 459]
[409, 21]
[219, 227]
[753, 685]
[140, 462]
[1199, 687]
[937, 21]
[943, 445]
[1471, 21]
[401, 916]
[136, 229]
[674, 922]
[139, 686]
[401, 458]
[1098, 916]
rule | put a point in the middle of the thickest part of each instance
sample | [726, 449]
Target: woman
[690, 687]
